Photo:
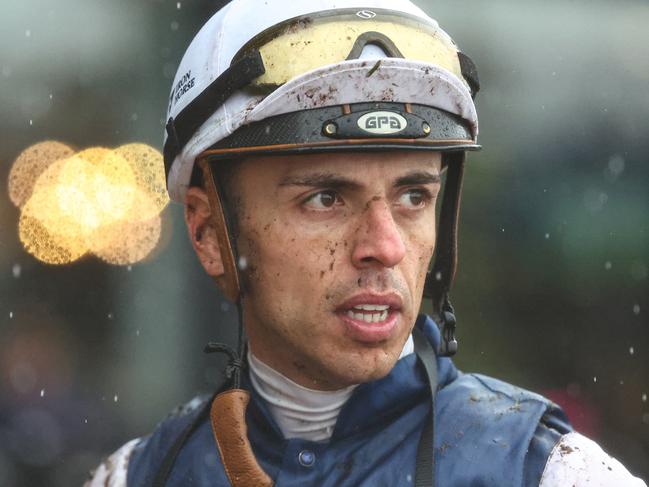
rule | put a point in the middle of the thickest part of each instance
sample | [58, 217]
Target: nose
[377, 239]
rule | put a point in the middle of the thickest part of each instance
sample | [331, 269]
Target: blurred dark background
[552, 291]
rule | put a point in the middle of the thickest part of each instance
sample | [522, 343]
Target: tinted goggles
[302, 44]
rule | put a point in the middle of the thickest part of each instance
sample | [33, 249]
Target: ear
[202, 233]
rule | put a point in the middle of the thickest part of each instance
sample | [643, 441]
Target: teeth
[369, 317]
[372, 307]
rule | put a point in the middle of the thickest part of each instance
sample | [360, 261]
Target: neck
[301, 412]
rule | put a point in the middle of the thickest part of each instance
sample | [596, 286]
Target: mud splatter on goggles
[299, 45]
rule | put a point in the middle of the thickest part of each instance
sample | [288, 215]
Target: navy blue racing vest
[487, 433]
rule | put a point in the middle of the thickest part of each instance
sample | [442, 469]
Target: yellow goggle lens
[301, 46]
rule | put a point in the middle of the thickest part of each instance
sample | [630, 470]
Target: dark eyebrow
[418, 177]
[334, 181]
[320, 180]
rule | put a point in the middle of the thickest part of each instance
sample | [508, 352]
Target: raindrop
[644, 397]
[616, 165]
[594, 200]
[115, 398]
[211, 459]
[11, 315]
[28, 33]
[85, 420]
[175, 25]
[110, 316]
[51, 96]
[31, 122]
[129, 268]
[621, 382]
[178, 5]
[608, 265]
[631, 350]
[547, 236]
[137, 333]
[243, 263]
[16, 270]
[636, 309]
[42, 392]
[595, 379]
[409, 478]
[134, 117]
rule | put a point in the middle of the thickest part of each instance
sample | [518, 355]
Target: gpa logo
[382, 123]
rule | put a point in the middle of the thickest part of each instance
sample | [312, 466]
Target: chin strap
[440, 279]
[236, 359]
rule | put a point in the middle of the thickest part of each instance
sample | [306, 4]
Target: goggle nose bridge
[376, 39]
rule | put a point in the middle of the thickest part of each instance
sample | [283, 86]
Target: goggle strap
[181, 128]
[469, 72]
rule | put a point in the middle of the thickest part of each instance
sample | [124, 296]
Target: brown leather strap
[229, 281]
[228, 417]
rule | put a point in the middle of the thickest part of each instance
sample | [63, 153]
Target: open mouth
[369, 317]
[369, 313]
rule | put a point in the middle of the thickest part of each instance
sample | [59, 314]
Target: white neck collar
[301, 412]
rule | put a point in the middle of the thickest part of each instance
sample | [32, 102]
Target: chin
[370, 365]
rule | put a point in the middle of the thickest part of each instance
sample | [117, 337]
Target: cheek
[282, 262]
[420, 250]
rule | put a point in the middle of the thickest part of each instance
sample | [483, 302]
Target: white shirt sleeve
[112, 472]
[577, 461]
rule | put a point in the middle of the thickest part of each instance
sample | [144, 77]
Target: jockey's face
[337, 248]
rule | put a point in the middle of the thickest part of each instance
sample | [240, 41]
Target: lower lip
[370, 332]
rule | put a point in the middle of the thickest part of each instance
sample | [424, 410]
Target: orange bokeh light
[103, 201]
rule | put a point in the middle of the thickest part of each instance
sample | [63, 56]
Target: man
[308, 142]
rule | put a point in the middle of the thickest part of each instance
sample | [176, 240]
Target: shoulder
[507, 431]
[112, 471]
[486, 395]
[143, 456]
[167, 431]
[580, 462]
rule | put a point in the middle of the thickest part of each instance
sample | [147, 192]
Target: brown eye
[323, 200]
[414, 198]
